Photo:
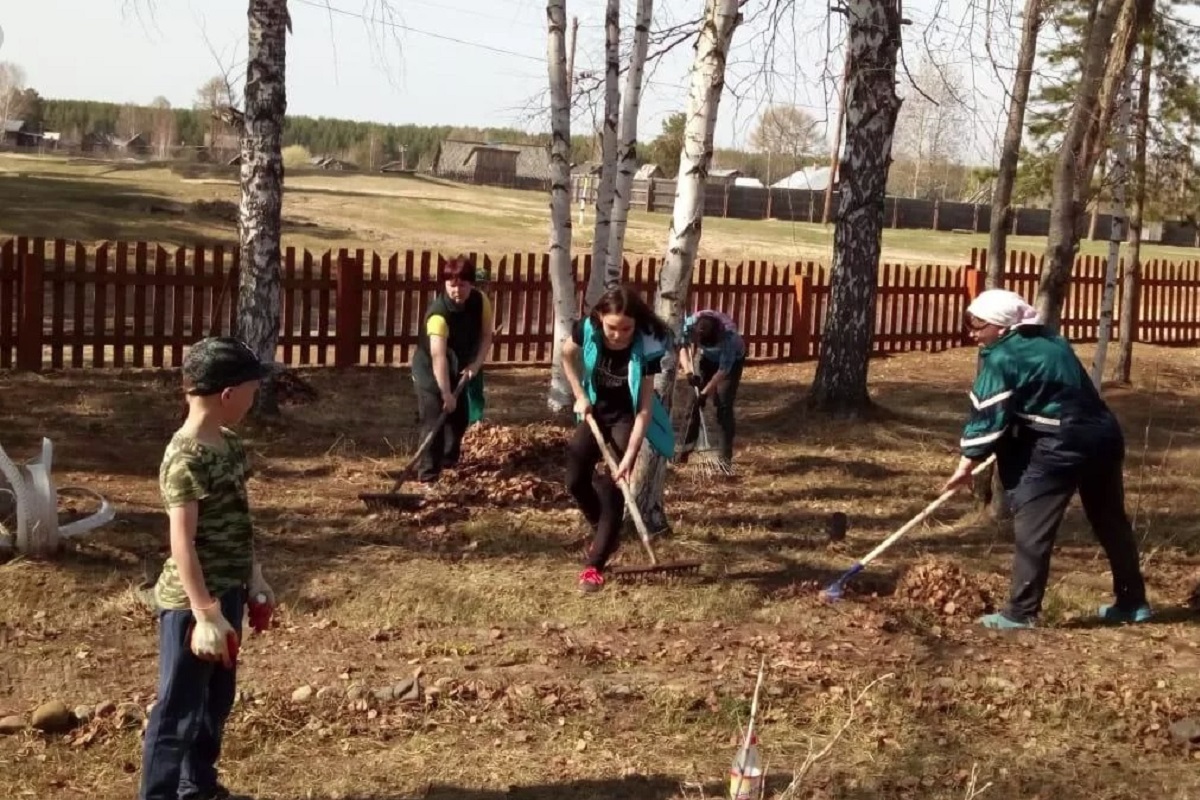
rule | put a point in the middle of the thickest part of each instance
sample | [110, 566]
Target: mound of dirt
[941, 586]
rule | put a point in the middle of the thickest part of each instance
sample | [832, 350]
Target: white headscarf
[1003, 308]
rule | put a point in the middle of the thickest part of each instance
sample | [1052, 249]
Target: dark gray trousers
[1039, 502]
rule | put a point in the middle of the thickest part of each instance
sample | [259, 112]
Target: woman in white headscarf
[1034, 406]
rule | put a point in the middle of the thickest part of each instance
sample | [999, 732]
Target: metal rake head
[709, 464]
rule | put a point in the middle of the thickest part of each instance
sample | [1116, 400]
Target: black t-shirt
[611, 377]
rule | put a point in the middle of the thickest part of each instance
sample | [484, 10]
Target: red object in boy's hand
[260, 615]
[231, 642]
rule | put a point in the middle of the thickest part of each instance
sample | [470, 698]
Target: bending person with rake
[1036, 408]
[454, 343]
[610, 360]
[715, 373]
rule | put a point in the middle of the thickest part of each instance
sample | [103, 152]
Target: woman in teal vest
[1035, 407]
[610, 360]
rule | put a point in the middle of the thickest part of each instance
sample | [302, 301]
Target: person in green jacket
[1034, 406]
[455, 339]
[610, 360]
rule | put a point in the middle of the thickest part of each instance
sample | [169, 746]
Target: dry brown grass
[636, 692]
[94, 200]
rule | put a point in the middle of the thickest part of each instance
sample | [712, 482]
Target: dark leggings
[598, 497]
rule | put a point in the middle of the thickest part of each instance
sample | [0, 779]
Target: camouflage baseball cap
[220, 362]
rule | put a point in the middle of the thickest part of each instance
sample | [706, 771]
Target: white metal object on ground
[36, 499]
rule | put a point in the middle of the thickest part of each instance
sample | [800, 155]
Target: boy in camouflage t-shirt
[202, 591]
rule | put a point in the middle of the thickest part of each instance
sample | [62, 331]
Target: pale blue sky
[343, 64]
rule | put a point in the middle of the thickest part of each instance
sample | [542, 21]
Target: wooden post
[802, 318]
[349, 310]
[974, 282]
[29, 316]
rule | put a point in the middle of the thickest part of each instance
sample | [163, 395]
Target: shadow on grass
[1173, 615]
[649, 787]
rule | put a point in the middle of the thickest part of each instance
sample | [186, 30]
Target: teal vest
[659, 432]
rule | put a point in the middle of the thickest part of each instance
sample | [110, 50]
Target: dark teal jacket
[1031, 380]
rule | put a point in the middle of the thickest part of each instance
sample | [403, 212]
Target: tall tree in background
[260, 212]
[667, 147]
[1119, 173]
[562, 276]
[1073, 168]
[12, 91]
[608, 152]
[928, 143]
[162, 126]
[721, 18]
[627, 152]
[1001, 221]
[1131, 280]
[788, 136]
[840, 384]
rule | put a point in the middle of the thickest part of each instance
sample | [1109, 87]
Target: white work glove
[213, 638]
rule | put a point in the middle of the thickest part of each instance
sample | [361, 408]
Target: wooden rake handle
[929, 509]
[437, 426]
[630, 500]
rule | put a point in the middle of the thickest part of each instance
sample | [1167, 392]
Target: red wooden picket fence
[66, 305]
[1168, 300]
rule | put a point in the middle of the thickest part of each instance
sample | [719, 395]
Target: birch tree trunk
[1120, 177]
[1119, 52]
[1001, 222]
[721, 18]
[562, 276]
[1067, 203]
[840, 384]
[627, 144]
[1131, 288]
[608, 152]
[260, 212]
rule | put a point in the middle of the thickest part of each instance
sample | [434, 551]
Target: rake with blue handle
[834, 591]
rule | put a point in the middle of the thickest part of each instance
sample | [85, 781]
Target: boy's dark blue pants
[183, 736]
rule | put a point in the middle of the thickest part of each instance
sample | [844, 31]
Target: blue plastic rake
[836, 590]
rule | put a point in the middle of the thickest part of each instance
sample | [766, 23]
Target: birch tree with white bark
[721, 18]
[608, 152]
[562, 276]
[1131, 280]
[261, 208]
[840, 384]
[627, 152]
[1119, 173]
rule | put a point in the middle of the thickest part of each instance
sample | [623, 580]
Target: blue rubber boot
[1121, 616]
[1000, 622]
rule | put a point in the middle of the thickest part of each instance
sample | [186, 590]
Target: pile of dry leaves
[941, 586]
[501, 466]
[505, 465]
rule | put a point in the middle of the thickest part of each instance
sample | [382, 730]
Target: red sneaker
[590, 580]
